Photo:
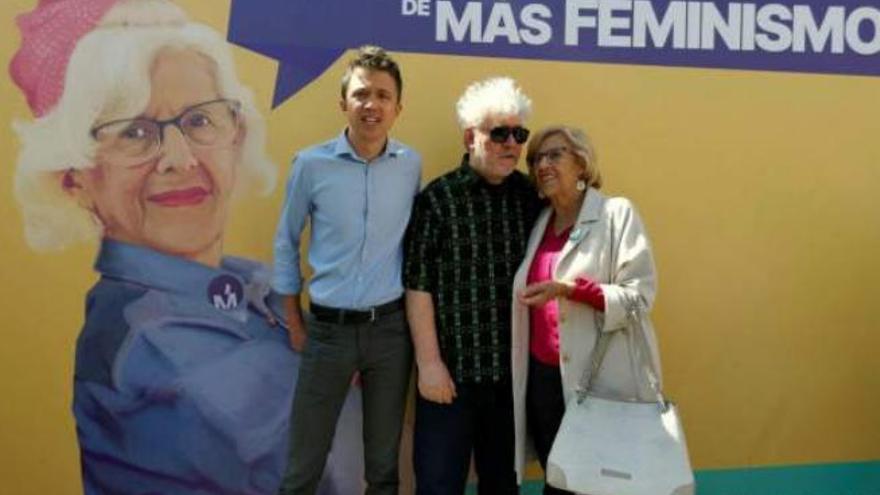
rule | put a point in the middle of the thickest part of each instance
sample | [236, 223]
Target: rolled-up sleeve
[420, 248]
[286, 273]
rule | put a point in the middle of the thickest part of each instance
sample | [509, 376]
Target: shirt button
[562, 317]
[566, 358]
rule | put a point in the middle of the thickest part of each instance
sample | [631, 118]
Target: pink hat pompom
[49, 34]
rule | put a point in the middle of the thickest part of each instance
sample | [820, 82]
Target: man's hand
[296, 327]
[435, 384]
[297, 336]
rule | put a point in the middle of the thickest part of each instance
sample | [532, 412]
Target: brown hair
[372, 57]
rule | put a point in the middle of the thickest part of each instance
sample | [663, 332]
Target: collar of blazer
[589, 214]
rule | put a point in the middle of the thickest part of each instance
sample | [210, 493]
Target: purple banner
[307, 36]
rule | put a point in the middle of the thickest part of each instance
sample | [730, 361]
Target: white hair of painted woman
[107, 78]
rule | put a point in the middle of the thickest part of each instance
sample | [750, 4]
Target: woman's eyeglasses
[130, 141]
[553, 155]
[501, 133]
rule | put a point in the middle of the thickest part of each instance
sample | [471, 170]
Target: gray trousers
[382, 352]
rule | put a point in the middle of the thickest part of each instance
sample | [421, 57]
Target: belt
[341, 316]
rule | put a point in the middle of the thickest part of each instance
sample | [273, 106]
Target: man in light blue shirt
[356, 191]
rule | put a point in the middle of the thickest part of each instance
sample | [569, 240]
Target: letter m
[471, 21]
[804, 26]
[229, 302]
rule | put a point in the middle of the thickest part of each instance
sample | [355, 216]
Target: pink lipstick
[180, 197]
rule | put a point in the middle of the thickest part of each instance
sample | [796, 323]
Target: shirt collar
[470, 177]
[226, 288]
[343, 147]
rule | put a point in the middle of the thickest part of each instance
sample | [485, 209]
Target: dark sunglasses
[501, 133]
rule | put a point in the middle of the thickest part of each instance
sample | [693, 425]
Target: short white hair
[495, 96]
[108, 77]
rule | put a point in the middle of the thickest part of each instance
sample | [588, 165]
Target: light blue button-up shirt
[358, 213]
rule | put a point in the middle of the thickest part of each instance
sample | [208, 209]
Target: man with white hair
[465, 241]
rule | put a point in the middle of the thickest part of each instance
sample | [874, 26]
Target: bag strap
[635, 312]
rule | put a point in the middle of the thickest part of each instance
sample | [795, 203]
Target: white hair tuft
[495, 96]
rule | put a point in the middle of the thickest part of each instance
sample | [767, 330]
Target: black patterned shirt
[464, 244]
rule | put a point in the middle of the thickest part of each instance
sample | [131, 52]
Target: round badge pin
[225, 292]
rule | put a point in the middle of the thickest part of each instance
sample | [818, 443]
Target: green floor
[857, 478]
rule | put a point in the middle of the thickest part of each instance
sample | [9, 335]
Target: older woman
[183, 379]
[586, 254]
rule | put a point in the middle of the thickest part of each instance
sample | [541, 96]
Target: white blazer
[607, 244]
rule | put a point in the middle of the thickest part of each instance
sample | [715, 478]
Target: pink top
[544, 320]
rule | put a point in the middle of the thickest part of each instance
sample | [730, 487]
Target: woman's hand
[538, 294]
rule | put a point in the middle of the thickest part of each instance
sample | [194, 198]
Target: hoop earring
[581, 185]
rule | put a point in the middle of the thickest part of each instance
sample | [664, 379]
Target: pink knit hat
[49, 33]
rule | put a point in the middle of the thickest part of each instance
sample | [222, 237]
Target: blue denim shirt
[358, 213]
[181, 385]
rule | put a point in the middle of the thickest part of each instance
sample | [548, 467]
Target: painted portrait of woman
[143, 139]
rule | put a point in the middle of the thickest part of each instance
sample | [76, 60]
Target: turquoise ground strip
[852, 478]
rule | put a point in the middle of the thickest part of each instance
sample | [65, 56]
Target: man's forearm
[420, 315]
[434, 382]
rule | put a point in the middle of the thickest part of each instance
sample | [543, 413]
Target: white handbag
[606, 446]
